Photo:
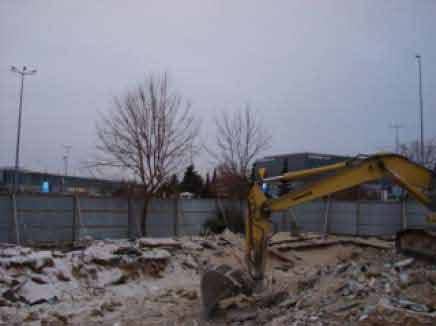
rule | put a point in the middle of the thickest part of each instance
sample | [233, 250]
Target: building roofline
[12, 169]
[303, 153]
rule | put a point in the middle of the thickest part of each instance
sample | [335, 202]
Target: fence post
[176, 217]
[15, 224]
[326, 216]
[283, 222]
[129, 219]
[295, 230]
[76, 218]
[404, 212]
[357, 221]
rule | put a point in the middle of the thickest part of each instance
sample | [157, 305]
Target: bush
[230, 218]
[214, 225]
[234, 217]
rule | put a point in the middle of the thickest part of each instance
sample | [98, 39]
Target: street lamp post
[23, 72]
[66, 156]
[421, 107]
[397, 127]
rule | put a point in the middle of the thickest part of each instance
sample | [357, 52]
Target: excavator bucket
[417, 243]
[220, 283]
[420, 242]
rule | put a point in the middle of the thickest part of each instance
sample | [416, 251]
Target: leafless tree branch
[240, 139]
[413, 152]
[149, 133]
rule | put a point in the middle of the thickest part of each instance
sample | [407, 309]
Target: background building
[33, 181]
[278, 164]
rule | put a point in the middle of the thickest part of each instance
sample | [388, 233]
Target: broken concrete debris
[310, 281]
[32, 316]
[33, 277]
[162, 243]
[188, 294]
[34, 293]
[36, 261]
[385, 313]
[404, 263]
[190, 262]
[110, 306]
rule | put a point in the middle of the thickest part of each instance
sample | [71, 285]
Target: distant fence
[36, 218]
[364, 218]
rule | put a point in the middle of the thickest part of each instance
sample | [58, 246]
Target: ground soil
[335, 284]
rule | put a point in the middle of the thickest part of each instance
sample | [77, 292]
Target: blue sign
[45, 187]
[265, 187]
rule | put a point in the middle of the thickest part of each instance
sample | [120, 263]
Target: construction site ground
[311, 280]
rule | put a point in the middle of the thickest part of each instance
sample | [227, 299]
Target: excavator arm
[417, 180]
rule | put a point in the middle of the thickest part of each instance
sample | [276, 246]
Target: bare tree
[240, 139]
[412, 151]
[149, 133]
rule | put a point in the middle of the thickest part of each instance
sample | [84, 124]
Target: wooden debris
[310, 244]
[280, 256]
[166, 243]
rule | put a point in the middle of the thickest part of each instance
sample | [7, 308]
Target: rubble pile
[31, 278]
[114, 263]
[311, 280]
[339, 281]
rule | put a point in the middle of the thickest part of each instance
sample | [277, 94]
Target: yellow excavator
[223, 281]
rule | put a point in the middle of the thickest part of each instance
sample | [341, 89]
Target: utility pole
[23, 72]
[65, 157]
[397, 127]
[421, 107]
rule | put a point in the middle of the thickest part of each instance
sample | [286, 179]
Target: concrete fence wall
[49, 218]
[365, 218]
[53, 218]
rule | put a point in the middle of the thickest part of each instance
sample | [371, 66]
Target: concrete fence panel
[103, 218]
[161, 217]
[194, 213]
[310, 216]
[280, 221]
[5, 219]
[55, 218]
[342, 217]
[416, 215]
[379, 218]
[45, 218]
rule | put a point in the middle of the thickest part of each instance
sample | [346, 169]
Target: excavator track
[417, 243]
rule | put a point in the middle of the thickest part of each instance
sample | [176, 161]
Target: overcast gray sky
[325, 76]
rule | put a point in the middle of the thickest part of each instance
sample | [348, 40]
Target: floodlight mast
[22, 72]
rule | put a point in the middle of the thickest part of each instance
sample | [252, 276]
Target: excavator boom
[416, 179]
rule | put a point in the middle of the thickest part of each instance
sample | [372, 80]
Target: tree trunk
[143, 231]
